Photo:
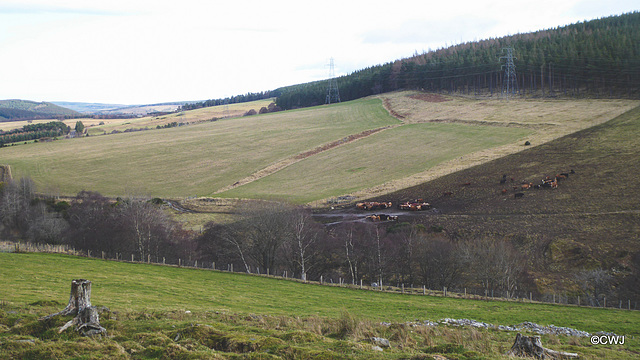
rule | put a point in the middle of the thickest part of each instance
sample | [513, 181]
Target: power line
[333, 94]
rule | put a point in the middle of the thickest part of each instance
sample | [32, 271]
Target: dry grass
[191, 160]
[261, 156]
[548, 120]
[192, 116]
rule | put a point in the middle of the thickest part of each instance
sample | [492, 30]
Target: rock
[382, 342]
[27, 341]
[376, 348]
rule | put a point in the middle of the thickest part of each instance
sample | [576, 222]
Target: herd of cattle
[420, 205]
[412, 205]
[547, 182]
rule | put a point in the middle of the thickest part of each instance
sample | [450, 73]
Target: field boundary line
[273, 168]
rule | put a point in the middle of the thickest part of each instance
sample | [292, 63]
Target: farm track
[350, 215]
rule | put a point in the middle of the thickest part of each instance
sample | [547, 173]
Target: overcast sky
[141, 52]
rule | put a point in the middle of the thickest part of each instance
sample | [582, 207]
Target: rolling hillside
[12, 110]
[319, 153]
[591, 221]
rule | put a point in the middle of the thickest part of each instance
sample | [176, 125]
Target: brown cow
[415, 205]
[526, 186]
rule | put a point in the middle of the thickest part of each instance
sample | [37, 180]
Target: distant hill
[88, 108]
[14, 110]
[119, 109]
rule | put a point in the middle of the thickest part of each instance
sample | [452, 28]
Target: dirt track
[294, 159]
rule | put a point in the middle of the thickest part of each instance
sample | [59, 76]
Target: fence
[466, 293]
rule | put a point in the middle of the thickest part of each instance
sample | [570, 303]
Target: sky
[144, 52]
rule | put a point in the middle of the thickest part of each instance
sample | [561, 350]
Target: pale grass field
[193, 160]
[436, 138]
[194, 116]
[256, 157]
[391, 154]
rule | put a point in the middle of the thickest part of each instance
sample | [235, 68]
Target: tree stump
[86, 318]
[531, 346]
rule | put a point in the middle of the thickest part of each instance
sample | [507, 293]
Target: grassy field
[191, 160]
[100, 126]
[148, 301]
[255, 156]
[193, 116]
[392, 154]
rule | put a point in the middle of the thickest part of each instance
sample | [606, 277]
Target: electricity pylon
[333, 95]
[509, 79]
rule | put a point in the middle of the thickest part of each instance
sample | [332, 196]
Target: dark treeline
[34, 132]
[231, 100]
[594, 58]
[10, 114]
[277, 238]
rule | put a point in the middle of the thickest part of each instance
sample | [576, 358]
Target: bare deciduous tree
[301, 244]
[595, 284]
[439, 262]
[494, 264]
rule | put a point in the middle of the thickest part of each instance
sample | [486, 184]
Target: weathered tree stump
[86, 318]
[531, 346]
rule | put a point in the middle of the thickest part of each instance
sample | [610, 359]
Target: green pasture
[168, 312]
[29, 278]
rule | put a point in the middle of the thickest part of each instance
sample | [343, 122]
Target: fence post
[578, 300]
[196, 265]
[103, 255]
[164, 261]
[445, 291]
[213, 265]
[605, 301]
[424, 289]
[360, 283]
[321, 279]
[131, 257]
[231, 267]
[88, 253]
[403, 288]
[148, 258]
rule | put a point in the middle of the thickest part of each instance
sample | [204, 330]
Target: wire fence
[561, 298]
